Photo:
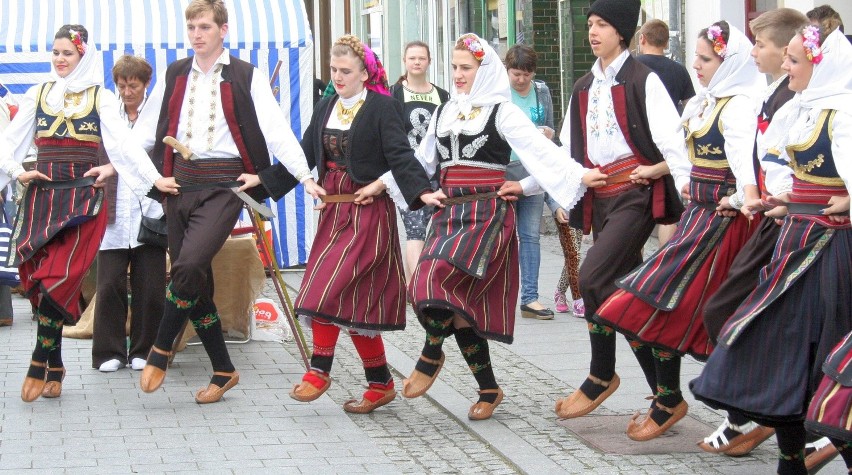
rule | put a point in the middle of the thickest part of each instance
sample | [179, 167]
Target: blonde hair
[779, 26]
[349, 45]
[200, 7]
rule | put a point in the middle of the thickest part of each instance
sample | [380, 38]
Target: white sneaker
[137, 364]
[111, 366]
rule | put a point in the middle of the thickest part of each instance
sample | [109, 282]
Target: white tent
[271, 34]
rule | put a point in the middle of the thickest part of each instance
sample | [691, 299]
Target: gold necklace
[473, 113]
[346, 116]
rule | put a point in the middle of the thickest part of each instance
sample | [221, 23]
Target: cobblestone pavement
[103, 423]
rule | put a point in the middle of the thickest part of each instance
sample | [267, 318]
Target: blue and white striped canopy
[29, 26]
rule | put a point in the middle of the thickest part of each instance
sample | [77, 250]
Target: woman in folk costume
[354, 278]
[768, 360]
[659, 303]
[61, 219]
[467, 279]
[736, 435]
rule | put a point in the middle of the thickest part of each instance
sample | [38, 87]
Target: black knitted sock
[791, 447]
[602, 339]
[645, 357]
[48, 347]
[438, 325]
[208, 326]
[474, 348]
[667, 366]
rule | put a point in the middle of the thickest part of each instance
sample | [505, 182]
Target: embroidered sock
[474, 348]
[602, 339]
[644, 355]
[48, 335]
[325, 336]
[791, 447]
[208, 326]
[372, 353]
[438, 326]
[175, 314]
[668, 393]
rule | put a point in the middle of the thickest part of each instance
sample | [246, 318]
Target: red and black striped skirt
[354, 274]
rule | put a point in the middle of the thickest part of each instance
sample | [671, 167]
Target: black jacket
[378, 143]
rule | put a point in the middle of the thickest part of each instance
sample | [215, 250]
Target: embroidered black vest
[484, 148]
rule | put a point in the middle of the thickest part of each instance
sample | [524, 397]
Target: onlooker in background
[419, 98]
[120, 248]
[653, 41]
[533, 98]
[5, 198]
[826, 17]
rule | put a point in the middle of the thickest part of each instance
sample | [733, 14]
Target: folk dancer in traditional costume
[772, 30]
[223, 110]
[354, 278]
[61, 219]
[659, 303]
[770, 351]
[467, 279]
[621, 119]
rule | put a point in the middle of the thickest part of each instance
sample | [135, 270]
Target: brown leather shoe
[34, 381]
[53, 386]
[743, 445]
[820, 457]
[213, 393]
[307, 392]
[418, 383]
[365, 406]
[5, 322]
[578, 404]
[642, 429]
[483, 410]
[152, 376]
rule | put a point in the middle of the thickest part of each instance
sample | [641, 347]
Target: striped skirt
[354, 274]
[770, 353]
[830, 410]
[58, 234]
[661, 303]
[469, 264]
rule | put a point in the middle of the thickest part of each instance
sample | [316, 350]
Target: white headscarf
[737, 75]
[830, 87]
[490, 87]
[89, 72]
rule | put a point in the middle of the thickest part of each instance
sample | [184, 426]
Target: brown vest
[628, 97]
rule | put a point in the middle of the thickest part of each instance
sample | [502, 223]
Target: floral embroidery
[811, 41]
[206, 321]
[46, 343]
[597, 329]
[180, 303]
[714, 34]
[470, 350]
[476, 368]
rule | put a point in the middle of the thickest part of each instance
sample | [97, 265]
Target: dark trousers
[147, 290]
[620, 226]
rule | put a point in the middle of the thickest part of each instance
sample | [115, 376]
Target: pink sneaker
[579, 308]
[561, 303]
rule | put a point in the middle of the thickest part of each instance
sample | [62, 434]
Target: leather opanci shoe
[53, 384]
[418, 383]
[307, 392]
[643, 429]
[34, 381]
[213, 392]
[482, 409]
[154, 372]
[365, 406]
[578, 404]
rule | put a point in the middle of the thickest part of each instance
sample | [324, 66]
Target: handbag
[515, 171]
[8, 273]
[153, 231]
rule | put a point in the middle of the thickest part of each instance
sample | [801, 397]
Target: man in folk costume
[610, 124]
[224, 111]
